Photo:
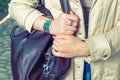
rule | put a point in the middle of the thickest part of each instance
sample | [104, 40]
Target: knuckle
[63, 21]
[74, 29]
[61, 49]
[75, 24]
[62, 31]
[55, 54]
[77, 18]
[72, 32]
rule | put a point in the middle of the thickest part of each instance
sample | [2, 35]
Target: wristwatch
[47, 25]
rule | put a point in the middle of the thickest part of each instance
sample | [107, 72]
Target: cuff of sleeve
[99, 48]
[30, 19]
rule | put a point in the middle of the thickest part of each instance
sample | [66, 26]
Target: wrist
[83, 49]
[87, 50]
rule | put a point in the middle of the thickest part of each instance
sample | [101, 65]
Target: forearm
[39, 23]
[24, 13]
[105, 45]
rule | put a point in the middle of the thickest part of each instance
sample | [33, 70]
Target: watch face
[47, 25]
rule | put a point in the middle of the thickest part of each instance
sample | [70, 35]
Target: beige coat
[104, 34]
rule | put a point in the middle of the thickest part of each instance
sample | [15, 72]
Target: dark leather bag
[31, 55]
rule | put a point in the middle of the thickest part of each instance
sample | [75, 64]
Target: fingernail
[54, 36]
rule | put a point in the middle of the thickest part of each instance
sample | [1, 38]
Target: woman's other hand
[69, 46]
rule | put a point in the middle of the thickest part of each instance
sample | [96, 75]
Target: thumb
[72, 13]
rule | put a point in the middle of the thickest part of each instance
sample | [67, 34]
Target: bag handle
[41, 7]
[64, 5]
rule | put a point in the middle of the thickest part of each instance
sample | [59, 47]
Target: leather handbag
[31, 54]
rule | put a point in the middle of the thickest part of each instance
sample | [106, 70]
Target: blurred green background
[3, 8]
[6, 25]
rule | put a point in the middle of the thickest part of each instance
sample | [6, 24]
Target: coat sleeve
[107, 44]
[24, 12]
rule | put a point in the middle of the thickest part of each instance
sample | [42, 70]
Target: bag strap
[41, 7]
[64, 5]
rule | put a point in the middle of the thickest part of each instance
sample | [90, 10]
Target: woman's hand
[69, 46]
[65, 44]
[64, 24]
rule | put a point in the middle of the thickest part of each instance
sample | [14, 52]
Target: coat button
[78, 67]
[105, 56]
[80, 33]
[77, 1]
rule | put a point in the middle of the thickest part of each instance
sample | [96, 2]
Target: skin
[64, 41]
[69, 46]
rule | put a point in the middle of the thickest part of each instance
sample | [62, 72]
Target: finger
[56, 53]
[68, 32]
[70, 28]
[55, 45]
[60, 54]
[76, 19]
[72, 13]
[61, 36]
[71, 23]
[65, 31]
[72, 17]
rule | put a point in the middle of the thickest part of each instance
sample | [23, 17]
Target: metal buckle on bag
[46, 66]
[47, 56]
[50, 63]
